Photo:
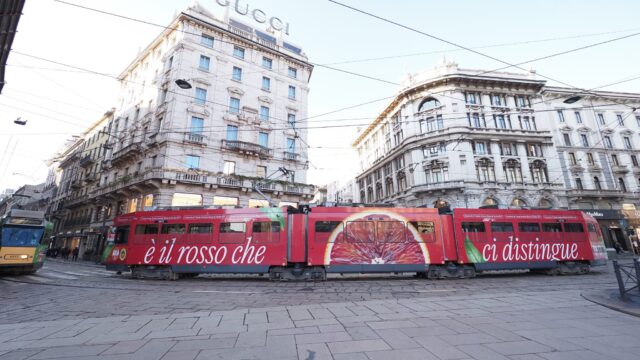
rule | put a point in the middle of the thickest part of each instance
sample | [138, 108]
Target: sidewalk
[611, 297]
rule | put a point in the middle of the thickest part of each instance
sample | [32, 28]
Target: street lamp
[183, 84]
[20, 122]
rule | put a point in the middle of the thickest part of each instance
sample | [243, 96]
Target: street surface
[80, 311]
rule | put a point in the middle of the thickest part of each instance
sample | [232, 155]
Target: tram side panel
[202, 241]
[492, 239]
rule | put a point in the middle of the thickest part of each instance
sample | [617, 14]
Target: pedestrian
[76, 251]
[616, 245]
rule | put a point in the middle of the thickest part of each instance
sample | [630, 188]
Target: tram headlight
[24, 256]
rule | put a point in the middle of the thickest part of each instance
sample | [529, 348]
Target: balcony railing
[126, 153]
[86, 161]
[440, 186]
[194, 138]
[229, 181]
[290, 156]
[246, 148]
[621, 169]
[594, 193]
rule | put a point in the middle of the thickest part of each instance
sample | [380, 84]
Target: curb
[80, 262]
[611, 299]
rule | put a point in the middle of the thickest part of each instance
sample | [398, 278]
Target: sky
[59, 101]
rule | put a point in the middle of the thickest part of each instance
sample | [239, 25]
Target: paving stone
[399, 324]
[362, 333]
[281, 346]
[397, 339]
[406, 354]
[322, 337]
[314, 352]
[351, 356]
[68, 351]
[468, 339]
[316, 322]
[252, 339]
[125, 347]
[172, 333]
[428, 331]
[480, 352]
[20, 354]
[440, 348]
[154, 349]
[358, 319]
[321, 314]
[181, 355]
[295, 331]
[255, 318]
[300, 314]
[519, 347]
[575, 355]
[204, 344]
[357, 346]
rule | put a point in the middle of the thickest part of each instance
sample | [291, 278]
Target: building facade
[470, 138]
[212, 113]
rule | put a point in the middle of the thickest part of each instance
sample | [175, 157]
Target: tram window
[200, 228]
[147, 229]
[551, 227]
[390, 231]
[326, 226]
[529, 227]
[501, 227]
[473, 227]
[360, 232]
[591, 227]
[173, 229]
[121, 235]
[235, 227]
[424, 227]
[232, 232]
[266, 226]
[573, 227]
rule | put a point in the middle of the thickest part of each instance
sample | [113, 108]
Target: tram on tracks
[22, 248]
[309, 242]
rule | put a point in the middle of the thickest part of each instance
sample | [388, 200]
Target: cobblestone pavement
[79, 311]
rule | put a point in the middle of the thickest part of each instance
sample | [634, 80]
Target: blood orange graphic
[376, 237]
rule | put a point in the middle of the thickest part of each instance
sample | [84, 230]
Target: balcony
[229, 181]
[247, 148]
[441, 186]
[594, 168]
[619, 169]
[594, 193]
[575, 168]
[264, 186]
[75, 184]
[69, 160]
[190, 177]
[89, 178]
[125, 154]
[86, 161]
[76, 201]
[291, 156]
[194, 138]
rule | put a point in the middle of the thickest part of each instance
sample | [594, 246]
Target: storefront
[613, 225]
[633, 231]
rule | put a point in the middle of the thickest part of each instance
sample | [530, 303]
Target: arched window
[513, 171]
[485, 170]
[545, 203]
[440, 203]
[518, 203]
[428, 104]
[490, 202]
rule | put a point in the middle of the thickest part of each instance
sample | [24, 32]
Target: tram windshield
[21, 236]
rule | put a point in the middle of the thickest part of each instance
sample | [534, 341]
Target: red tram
[312, 242]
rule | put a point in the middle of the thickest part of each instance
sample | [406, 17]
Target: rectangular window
[201, 228]
[472, 98]
[264, 113]
[360, 232]
[238, 52]
[578, 117]
[197, 125]
[232, 232]
[266, 231]
[229, 168]
[267, 63]
[291, 120]
[638, 120]
[585, 140]
[528, 227]
[292, 92]
[473, 227]
[501, 227]
[634, 160]
[148, 229]
[234, 105]
[551, 227]
[572, 159]
[263, 139]
[390, 231]
[590, 160]
[261, 171]
[293, 72]
[232, 133]
[614, 160]
[206, 40]
[192, 162]
[607, 142]
[521, 101]
[204, 62]
[501, 124]
[579, 185]
[560, 115]
[173, 229]
[326, 226]
[237, 74]
[627, 143]
[201, 96]
[573, 227]
[620, 119]
[601, 118]
[291, 145]
[567, 139]
[591, 227]
[496, 100]
[266, 83]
